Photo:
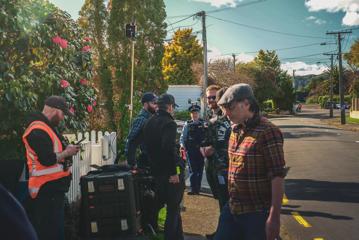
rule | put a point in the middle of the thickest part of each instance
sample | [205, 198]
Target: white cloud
[219, 3]
[214, 54]
[311, 18]
[350, 7]
[245, 58]
[316, 20]
[302, 68]
[320, 21]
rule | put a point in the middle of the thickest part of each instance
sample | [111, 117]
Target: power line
[265, 29]
[221, 9]
[186, 26]
[278, 49]
[179, 16]
[181, 20]
[305, 56]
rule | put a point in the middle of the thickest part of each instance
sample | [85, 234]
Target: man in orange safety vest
[49, 180]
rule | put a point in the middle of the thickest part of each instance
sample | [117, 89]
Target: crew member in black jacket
[160, 141]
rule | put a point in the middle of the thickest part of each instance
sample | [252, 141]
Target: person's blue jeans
[246, 226]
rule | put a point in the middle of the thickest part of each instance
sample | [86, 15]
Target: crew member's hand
[174, 179]
[208, 151]
[272, 228]
[72, 149]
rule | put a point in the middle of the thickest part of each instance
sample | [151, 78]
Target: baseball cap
[148, 97]
[237, 92]
[166, 99]
[58, 102]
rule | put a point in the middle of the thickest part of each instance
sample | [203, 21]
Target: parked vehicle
[328, 104]
[346, 105]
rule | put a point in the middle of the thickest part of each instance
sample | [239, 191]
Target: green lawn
[353, 120]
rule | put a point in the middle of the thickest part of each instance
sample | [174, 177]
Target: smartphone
[80, 141]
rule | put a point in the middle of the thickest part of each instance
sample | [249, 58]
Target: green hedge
[182, 115]
[312, 100]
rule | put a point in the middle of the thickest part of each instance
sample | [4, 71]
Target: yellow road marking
[300, 219]
[318, 238]
[285, 200]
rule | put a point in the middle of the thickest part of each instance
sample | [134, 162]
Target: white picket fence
[98, 149]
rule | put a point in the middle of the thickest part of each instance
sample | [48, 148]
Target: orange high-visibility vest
[38, 173]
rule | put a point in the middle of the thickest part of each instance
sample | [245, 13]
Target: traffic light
[130, 30]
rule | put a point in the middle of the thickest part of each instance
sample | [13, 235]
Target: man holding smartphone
[49, 180]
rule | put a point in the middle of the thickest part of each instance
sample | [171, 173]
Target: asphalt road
[322, 185]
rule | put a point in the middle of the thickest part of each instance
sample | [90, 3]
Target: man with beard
[49, 180]
[134, 138]
[208, 150]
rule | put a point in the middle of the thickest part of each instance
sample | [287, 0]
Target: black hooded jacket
[160, 141]
[41, 143]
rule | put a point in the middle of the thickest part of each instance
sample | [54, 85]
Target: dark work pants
[171, 195]
[46, 213]
[246, 226]
[196, 165]
[222, 186]
[211, 176]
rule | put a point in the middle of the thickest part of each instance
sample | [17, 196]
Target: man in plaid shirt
[134, 136]
[256, 170]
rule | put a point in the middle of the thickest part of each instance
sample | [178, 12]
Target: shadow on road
[306, 189]
[315, 214]
[306, 126]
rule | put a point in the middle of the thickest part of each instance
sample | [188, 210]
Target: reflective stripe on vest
[40, 174]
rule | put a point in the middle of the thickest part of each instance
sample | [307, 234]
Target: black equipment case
[109, 205]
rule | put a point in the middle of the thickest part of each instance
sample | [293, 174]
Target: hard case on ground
[108, 204]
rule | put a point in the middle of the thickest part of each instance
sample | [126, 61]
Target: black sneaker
[192, 193]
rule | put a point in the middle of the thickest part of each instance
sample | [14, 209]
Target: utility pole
[234, 62]
[331, 82]
[294, 78]
[202, 14]
[131, 34]
[341, 84]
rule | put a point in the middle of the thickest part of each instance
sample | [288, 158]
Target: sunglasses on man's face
[211, 97]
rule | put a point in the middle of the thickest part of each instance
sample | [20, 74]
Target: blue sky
[311, 18]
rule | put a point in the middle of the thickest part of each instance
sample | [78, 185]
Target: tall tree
[149, 17]
[94, 20]
[353, 60]
[180, 54]
[353, 56]
[42, 53]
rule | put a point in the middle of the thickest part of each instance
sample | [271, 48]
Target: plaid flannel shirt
[255, 157]
[135, 131]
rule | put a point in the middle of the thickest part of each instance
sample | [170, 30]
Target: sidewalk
[336, 123]
[200, 216]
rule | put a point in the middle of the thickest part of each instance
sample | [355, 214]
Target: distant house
[354, 110]
[185, 94]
